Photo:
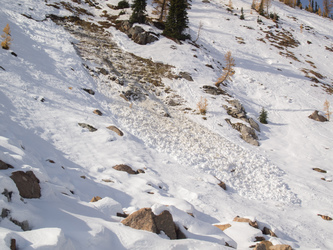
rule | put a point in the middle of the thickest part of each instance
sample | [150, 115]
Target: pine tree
[139, 9]
[161, 9]
[228, 71]
[263, 116]
[242, 17]
[7, 41]
[177, 20]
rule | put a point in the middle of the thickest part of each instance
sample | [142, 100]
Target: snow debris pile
[102, 145]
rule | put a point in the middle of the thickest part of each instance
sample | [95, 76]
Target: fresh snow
[42, 102]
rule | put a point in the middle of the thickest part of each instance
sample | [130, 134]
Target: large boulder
[27, 184]
[140, 36]
[317, 117]
[145, 219]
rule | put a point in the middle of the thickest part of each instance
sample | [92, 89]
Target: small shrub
[274, 16]
[327, 109]
[263, 116]
[123, 4]
[202, 106]
[242, 17]
[6, 43]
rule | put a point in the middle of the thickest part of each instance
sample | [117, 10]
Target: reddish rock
[116, 130]
[124, 168]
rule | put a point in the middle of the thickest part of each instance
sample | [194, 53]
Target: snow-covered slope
[183, 156]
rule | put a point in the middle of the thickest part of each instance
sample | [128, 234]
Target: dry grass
[202, 106]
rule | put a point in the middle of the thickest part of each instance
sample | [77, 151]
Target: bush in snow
[6, 43]
[202, 106]
[123, 4]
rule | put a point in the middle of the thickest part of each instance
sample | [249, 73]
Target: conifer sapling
[263, 116]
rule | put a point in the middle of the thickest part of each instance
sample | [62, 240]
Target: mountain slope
[42, 102]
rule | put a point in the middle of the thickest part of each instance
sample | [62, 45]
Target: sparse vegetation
[7, 37]
[327, 109]
[202, 106]
[263, 116]
[228, 71]
[123, 4]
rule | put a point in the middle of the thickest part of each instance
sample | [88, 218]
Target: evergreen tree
[242, 17]
[263, 116]
[139, 9]
[177, 20]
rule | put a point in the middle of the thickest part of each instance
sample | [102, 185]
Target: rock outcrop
[138, 34]
[4, 165]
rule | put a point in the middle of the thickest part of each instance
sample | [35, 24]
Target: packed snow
[184, 156]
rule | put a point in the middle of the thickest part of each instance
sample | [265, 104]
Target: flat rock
[87, 126]
[320, 170]
[96, 198]
[89, 91]
[223, 227]
[251, 223]
[142, 219]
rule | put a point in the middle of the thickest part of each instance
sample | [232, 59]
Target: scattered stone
[83, 176]
[320, 170]
[5, 213]
[259, 238]
[324, 217]
[107, 180]
[89, 91]
[264, 245]
[24, 224]
[14, 54]
[223, 185]
[27, 184]
[223, 227]
[7, 194]
[4, 165]
[172, 103]
[97, 112]
[164, 222]
[96, 198]
[247, 134]
[2, 68]
[213, 90]
[317, 117]
[145, 219]
[87, 126]
[251, 223]
[123, 215]
[124, 168]
[140, 171]
[187, 76]
[13, 244]
[268, 231]
[50, 161]
[254, 124]
[116, 130]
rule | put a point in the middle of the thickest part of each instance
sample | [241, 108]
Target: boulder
[124, 168]
[87, 126]
[142, 219]
[27, 184]
[254, 124]
[116, 130]
[140, 36]
[187, 76]
[247, 134]
[145, 219]
[4, 165]
[164, 222]
[317, 117]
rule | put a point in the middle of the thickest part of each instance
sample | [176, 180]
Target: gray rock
[317, 117]
[89, 91]
[87, 126]
[27, 184]
[4, 165]
[213, 90]
[254, 124]
[186, 76]
[164, 222]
